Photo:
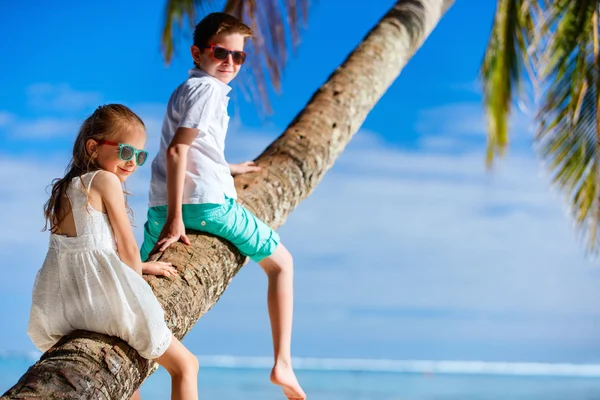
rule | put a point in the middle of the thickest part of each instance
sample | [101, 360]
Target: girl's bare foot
[283, 375]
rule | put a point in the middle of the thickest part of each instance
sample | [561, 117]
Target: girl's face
[107, 154]
[222, 69]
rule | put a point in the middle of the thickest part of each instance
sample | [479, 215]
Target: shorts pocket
[157, 216]
[205, 217]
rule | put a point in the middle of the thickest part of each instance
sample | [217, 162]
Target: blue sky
[407, 249]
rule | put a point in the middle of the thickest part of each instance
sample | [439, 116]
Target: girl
[91, 278]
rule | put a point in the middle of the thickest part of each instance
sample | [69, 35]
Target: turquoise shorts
[230, 221]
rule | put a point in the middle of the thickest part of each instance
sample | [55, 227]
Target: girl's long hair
[105, 121]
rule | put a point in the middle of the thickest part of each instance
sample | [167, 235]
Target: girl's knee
[179, 361]
[193, 366]
[187, 366]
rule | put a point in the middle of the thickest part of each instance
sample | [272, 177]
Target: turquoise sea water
[249, 381]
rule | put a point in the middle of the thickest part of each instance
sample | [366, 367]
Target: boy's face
[224, 70]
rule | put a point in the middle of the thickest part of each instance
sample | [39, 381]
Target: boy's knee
[287, 261]
[279, 262]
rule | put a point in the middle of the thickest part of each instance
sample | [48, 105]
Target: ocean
[234, 378]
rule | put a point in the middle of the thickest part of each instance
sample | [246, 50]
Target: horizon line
[459, 367]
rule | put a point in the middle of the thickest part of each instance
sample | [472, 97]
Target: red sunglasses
[221, 54]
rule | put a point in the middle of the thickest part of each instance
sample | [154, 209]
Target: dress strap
[77, 193]
[90, 177]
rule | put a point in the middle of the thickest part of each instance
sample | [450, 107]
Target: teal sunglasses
[127, 152]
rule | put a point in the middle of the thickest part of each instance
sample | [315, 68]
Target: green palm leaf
[557, 41]
[502, 68]
[276, 26]
[568, 137]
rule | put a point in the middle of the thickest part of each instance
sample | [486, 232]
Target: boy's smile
[224, 70]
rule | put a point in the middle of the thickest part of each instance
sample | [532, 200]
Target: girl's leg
[279, 268]
[183, 367]
[136, 395]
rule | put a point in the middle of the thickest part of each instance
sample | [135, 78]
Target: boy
[192, 185]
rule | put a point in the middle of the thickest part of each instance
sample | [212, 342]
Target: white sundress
[83, 284]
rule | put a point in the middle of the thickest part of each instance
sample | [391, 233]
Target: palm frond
[276, 25]
[568, 135]
[176, 11]
[505, 57]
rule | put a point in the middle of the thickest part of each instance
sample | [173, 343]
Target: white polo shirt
[200, 102]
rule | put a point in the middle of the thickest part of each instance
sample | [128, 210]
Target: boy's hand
[158, 268]
[173, 230]
[243, 168]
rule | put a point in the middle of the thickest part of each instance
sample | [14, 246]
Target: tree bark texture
[84, 365]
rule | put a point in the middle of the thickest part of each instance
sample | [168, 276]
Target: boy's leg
[234, 223]
[257, 240]
[280, 269]
[156, 219]
[280, 298]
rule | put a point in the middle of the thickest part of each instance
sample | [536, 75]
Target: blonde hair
[104, 122]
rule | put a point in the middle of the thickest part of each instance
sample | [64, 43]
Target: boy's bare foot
[283, 375]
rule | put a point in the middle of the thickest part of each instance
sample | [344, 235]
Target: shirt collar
[197, 72]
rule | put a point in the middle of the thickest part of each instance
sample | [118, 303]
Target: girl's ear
[91, 147]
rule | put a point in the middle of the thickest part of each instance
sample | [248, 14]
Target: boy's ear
[195, 50]
[91, 147]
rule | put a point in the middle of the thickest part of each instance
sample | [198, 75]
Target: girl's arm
[108, 186]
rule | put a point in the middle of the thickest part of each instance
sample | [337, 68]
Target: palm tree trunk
[85, 365]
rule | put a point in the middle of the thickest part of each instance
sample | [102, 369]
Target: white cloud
[61, 97]
[436, 221]
[6, 118]
[473, 87]
[46, 128]
[58, 112]
[464, 125]
[152, 115]
[440, 143]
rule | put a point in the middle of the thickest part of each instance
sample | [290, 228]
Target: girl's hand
[243, 168]
[159, 268]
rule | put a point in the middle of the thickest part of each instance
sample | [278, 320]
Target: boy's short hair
[218, 22]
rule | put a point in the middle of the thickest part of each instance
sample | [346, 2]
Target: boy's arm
[108, 186]
[177, 152]
[197, 111]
